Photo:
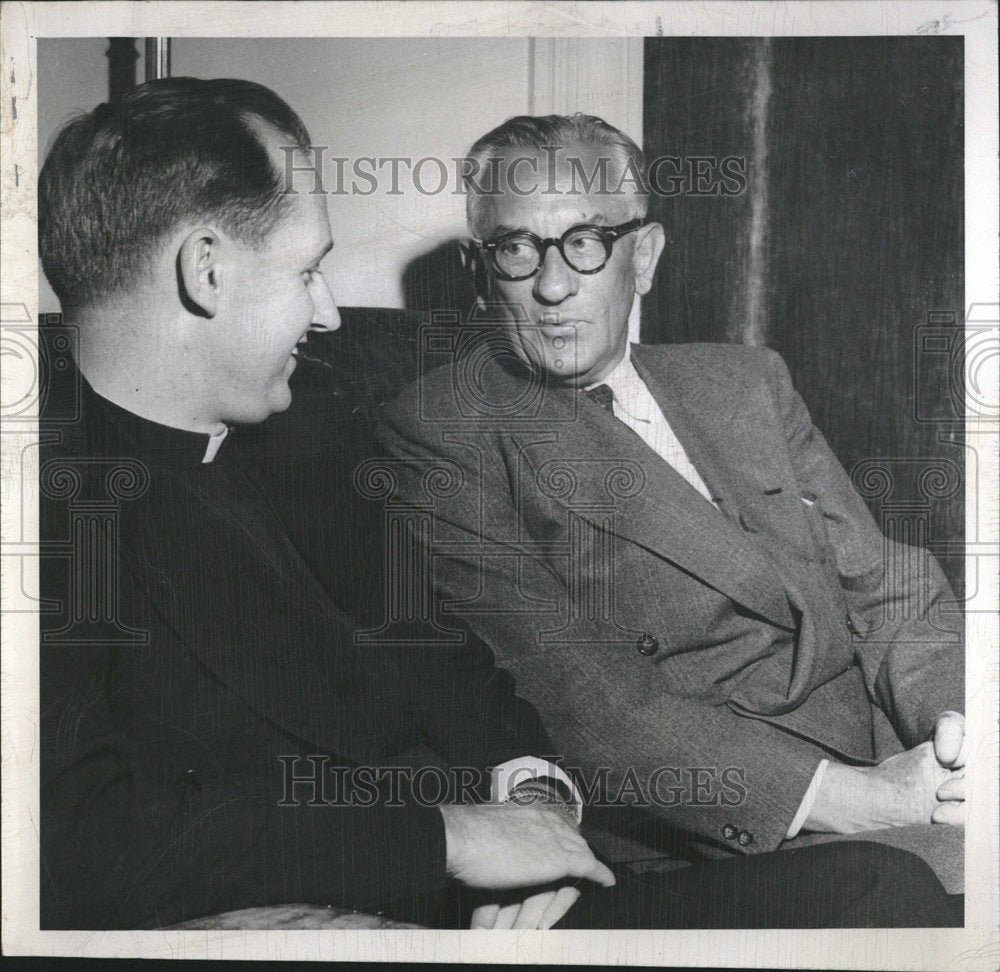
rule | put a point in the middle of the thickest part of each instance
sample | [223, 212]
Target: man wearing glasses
[660, 545]
[220, 740]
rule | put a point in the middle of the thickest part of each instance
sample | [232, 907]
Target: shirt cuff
[805, 807]
[507, 776]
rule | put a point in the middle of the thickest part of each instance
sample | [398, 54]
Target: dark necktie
[604, 396]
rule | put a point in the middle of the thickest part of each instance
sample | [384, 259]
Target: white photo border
[976, 946]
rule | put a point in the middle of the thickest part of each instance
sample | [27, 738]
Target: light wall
[382, 98]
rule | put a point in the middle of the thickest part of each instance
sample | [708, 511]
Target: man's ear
[649, 243]
[479, 274]
[198, 271]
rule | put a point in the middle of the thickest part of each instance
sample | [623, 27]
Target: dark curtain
[842, 249]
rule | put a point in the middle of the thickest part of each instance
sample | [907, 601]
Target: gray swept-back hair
[536, 133]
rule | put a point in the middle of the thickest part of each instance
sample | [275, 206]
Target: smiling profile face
[572, 325]
[274, 294]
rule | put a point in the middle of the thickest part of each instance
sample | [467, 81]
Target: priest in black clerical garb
[214, 736]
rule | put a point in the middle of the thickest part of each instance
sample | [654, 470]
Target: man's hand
[503, 846]
[540, 910]
[949, 739]
[949, 749]
[923, 785]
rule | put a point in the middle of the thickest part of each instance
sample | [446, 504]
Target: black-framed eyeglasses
[586, 248]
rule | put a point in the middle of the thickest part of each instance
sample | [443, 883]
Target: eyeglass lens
[521, 254]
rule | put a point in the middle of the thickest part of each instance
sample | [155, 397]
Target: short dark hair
[121, 177]
[538, 132]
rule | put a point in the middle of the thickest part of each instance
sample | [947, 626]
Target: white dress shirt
[507, 777]
[635, 406]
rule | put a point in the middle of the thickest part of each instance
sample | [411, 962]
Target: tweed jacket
[703, 655]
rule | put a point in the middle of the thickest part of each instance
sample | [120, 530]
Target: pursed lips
[556, 327]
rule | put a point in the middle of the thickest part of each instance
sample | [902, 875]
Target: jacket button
[745, 838]
[648, 645]
[730, 831]
[853, 626]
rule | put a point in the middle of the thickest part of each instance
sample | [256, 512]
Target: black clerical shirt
[193, 649]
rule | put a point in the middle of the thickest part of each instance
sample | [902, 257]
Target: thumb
[594, 870]
[949, 733]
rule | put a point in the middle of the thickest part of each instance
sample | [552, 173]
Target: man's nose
[555, 280]
[326, 317]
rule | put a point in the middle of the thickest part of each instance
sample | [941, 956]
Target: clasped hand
[922, 785]
[950, 751]
[506, 846]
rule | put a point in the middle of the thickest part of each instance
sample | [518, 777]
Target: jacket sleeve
[127, 845]
[661, 744]
[909, 631]
[468, 710]
[163, 793]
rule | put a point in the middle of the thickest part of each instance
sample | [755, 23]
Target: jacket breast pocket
[856, 549]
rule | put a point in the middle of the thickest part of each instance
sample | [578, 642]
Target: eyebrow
[501, 229]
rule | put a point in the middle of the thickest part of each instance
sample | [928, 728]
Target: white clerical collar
[214, 444]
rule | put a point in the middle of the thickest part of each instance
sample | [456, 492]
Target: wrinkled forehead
[555, 187]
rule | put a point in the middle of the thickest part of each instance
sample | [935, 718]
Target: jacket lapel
[745, 472]
[657, 509]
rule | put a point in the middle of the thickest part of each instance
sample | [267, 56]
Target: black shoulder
[433, 388]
